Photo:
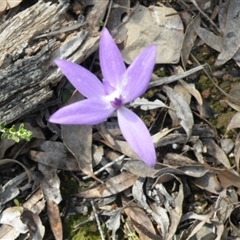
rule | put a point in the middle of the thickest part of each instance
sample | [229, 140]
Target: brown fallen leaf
[112, 186]
[54, 219]
[120, 146]
[141, 222]
[209, 182]
[139, 168]
[214, 150]
[228, 179]
[190, 87]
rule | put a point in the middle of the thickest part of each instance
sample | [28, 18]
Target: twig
[106, 166]
[97, 220]
[166, 80]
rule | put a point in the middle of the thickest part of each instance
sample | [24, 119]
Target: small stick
[97, 220]
[106, 166]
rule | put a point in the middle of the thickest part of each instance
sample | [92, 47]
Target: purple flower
[119, 86]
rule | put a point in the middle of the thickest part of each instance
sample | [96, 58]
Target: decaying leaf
[55, 219]
[214, 150]
[34, 224]
[160, 26]
[146, 104]
[190, 87]
[182, 109]
[112, 186]
[139, 168]
[78, 139]
[189, 39]
[12, 188]
[11, 216]
[234, 122]
[210, 183]
[212, 40]
[4, 145]
[113, 223]
[173, 205]
[140, 220]
[50, 184]
[231, 38]
[51, 190]
[120, 146]
[237, 152]
[56, 155]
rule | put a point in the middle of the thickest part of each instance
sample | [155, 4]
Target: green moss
[160, 72]
[150, 93]
[222, 121]
[217, 107]
[225, 86]
[204, 83]
[87, 231]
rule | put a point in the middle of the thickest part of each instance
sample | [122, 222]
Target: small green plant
[15, 135]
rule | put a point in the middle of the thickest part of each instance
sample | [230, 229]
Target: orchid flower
[118, 87]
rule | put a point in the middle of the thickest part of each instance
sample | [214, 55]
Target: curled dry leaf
[209, 182]
[146, 104]
[198, 225]
[190, 87]
[228, 178]
[140, 197]
[173, 204]
[140, 220]
[34, 224]
[11, 216]
[214, 150]
[113, 223]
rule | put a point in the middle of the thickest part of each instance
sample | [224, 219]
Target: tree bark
[27, 69]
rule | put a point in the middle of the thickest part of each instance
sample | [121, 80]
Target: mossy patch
[87, 231]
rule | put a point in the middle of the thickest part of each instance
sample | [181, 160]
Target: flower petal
[111, 61]
[82, 79]
[138, 75]
[88, 111]
[137, 135]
